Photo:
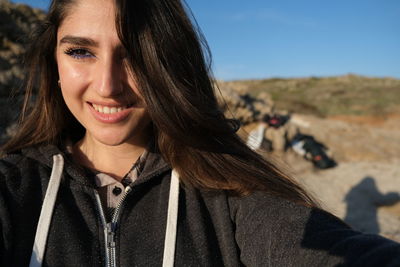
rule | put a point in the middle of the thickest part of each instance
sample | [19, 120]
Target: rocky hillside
[16, 23]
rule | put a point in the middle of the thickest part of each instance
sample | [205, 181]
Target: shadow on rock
[363, 201]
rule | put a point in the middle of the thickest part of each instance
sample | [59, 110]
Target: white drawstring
[172, 221]
[42, 230]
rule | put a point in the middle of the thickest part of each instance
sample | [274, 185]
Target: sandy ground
[364, 188]
[364, 194]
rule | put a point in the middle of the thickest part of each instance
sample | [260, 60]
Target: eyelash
[78, 53]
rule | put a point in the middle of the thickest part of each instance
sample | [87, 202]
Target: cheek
[73, 77]
[71, 72]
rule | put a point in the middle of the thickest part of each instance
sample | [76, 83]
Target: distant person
[275, 130]
[312, 150]
[125, 158]
[276, 133]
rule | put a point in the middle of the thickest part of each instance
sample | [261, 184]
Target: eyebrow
[76, 40]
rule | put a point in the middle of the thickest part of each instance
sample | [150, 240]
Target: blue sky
[298, 38]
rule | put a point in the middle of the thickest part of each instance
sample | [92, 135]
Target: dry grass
[329, 96]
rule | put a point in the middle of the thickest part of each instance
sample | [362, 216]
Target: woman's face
[95, 81]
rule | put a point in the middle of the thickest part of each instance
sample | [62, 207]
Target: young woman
[125, 158]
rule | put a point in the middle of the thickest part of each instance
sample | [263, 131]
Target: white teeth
[108, 110]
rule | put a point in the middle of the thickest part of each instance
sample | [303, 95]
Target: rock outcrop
[17, 21]
[243, 106]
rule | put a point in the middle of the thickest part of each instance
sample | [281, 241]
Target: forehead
[90, 18]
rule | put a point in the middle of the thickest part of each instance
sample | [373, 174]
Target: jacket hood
[153, 166]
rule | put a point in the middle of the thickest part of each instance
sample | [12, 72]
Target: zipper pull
[128, 189]
[111, 235]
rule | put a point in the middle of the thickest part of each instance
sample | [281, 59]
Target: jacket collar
[153, 166]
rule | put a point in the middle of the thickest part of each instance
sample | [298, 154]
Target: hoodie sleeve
[20, 202]
[275, 232]
[5, 224]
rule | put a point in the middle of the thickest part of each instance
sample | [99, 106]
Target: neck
[115, 161]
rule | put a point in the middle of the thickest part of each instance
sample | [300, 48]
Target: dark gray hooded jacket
[214, 228]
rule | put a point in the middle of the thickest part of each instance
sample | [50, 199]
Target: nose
[109, 75]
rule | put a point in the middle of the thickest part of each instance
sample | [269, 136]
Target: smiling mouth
[109, 110]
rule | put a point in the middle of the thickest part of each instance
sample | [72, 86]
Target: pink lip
[109, 118]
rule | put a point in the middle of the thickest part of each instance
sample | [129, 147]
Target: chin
[112, 139]
[111, 142]
[115, 138]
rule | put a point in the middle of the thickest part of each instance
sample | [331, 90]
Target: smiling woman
[100, 90]
[126, 159]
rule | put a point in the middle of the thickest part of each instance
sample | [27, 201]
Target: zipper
[111, 227]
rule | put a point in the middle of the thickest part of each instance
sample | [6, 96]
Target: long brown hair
[171, 63]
